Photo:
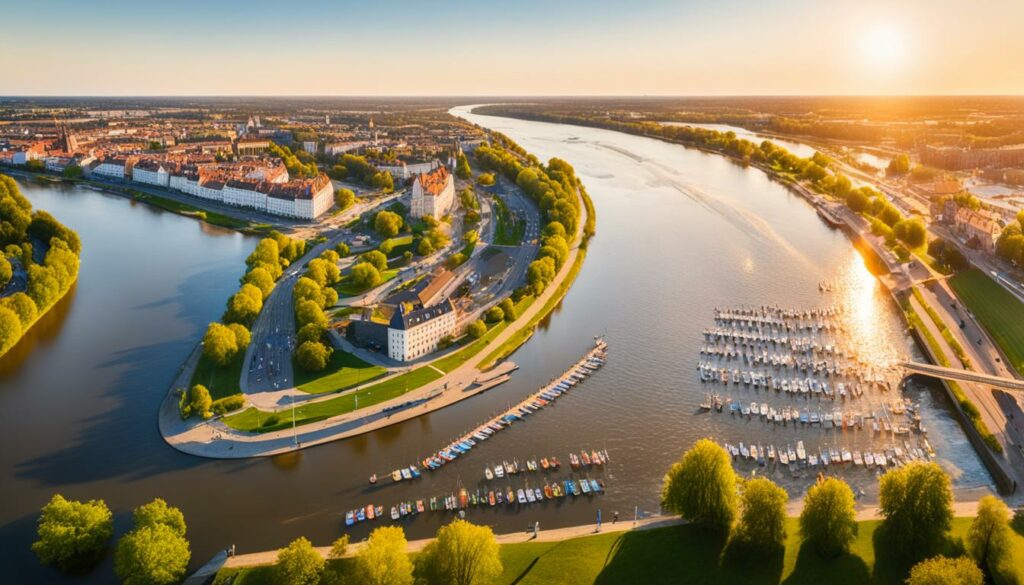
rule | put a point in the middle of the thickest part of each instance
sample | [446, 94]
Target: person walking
[615, 517]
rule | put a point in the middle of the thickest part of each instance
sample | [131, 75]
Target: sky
[522, 47]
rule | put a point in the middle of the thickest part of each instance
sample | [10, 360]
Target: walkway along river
[679, 233]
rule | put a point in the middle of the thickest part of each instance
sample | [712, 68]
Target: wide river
[679, 233]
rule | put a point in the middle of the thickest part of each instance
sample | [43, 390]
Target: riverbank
[661, 550]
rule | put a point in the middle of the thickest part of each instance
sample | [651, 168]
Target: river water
[679, 233]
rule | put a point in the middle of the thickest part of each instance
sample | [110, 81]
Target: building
[113, 168]
[977, 228]
[433, 193]
[402, 170]
[416, 333]
[151, 172]
[252, 146]
[309, 146]
[956, 158]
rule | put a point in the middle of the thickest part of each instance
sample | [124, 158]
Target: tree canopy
[462, 554]
[155, 552]
[298, 564]
[945, 571]
[916, 502]
[387, 223]
[763, 519]
[72, 534]
[989, 539]
[701, 487]
[384, 561]
[828, 521]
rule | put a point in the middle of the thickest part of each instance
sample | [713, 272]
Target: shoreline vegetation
[905, 237]
[558, 193]
[34, 286]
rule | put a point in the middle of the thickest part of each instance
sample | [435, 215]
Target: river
[679, 233]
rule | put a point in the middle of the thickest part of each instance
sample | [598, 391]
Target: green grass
[346, 288]
[254, 420]
[211, 217]
[343, 371]
[220, 381]
[399, 245]
[685, 554]
[456, 359]
[1000, 313]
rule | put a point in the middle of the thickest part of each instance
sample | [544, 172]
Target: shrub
[222, 406]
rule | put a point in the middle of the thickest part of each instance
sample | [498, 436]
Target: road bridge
[963, 375]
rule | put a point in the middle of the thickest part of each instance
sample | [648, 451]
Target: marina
[560, 385]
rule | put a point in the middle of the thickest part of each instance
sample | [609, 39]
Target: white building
[112, 168]
[433, 193]
[402, 170]
[412, 334]
[151, 172]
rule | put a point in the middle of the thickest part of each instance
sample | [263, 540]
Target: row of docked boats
[882, 457]
[481, 497]
[579, 372]
[888, 420]
[585, 459]
[801, 386]
[765, 317]
[803, 344]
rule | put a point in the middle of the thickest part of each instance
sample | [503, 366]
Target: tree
[462, 169]
[945, 571]
[219, 344]
[10, 328]
[988, 539]
[151, 555]
[310, 312]
[6, 271]
[899, 165]
[857, 200]
[911, 231]
[916, 503]
[387, 223]
[267, 254]
[377, 258]
[310, 332]
[471, 237]
[298, 564]
[306, 289]
[339, 548]
[763, 517]
[386, 246]
[828, 521]
[260, 278]
[312, 356]
[509, 309]
[199, 402]
[701, 487]
[73, 172]
[424, 248]
[476, 329]
[245, 305]
[342, 249]
[485, 179]
[242, 335]
[72, 534]
[157, 513]
[344, 198]
[462, 554]
[383, 181]
[365, 275]
[383, 561]
[494, 314]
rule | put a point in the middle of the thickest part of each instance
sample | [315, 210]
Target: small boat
[596, 458]
[370, 514]
[800, 452]
[490, 498]
[554, 463]
[488, 473]
[396, 475]
[350, 518]
[596, 487]
[538, 494]
[585, 458]
[548, 493]
[378, 511]
[420, 507]
[530, 496]
[373, 479]
[510, 496]
[574, 461]
[499, 471]
[544, 463]
[585, 486]
[463, 498]
[406, 474]
[394, 513]
[433, 503]
[499, 497]
[520, 496]
[361, 514]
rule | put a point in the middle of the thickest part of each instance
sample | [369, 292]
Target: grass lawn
[220, 381]
[1000, 313]
[254, 420]
[343, 371]
[346, 288]
[399, 245]
[684, 554]
[456, 359]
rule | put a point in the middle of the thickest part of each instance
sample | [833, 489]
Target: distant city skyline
[645, 47]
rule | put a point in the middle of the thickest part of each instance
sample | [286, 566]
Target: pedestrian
[615, 517]
[536, 529]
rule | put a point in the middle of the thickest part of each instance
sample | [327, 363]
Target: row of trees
[73, 536]
[554, 188]
[1010, 244]
[915, 503]
[313, 293]
[461, 554]
[300, 164]
[47, 282]
[358, 168]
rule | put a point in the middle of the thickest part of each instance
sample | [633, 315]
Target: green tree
[911, 232]
[344, 198]
[387, 223]
[899, 165]
[377, 258]
[298, 564]
[365, 275]
[199, 402]
[242, 335]
[476, 329]
[339, 548]
[916, 502]
[383, 561]
[72, 534]
[245, 305]
[471, 237]
[312, 356]
[6, 271]
[10, 329]
[509, 309]
[310, 332]
[701, 487]
[763, 517]
[157, 513]
[494, 314]
[828, 521]
[857, 200]
[310, 312]
[73, 172]
[383, 181]
[425, 248]
[151, 555]
[306, 289]
[219, 344]
[342, 249]
[945, 571]
[485, 179]
[462, 169]
[988, 540]
[462, 554]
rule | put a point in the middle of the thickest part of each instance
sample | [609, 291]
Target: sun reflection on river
[863, 301]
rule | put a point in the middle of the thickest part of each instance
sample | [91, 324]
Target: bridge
[963, 375]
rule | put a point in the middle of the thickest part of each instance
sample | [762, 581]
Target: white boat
[800, 452]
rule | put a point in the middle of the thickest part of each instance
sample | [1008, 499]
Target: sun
[883, 47]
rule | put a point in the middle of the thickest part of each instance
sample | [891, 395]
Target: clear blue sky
[314, 47]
